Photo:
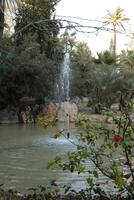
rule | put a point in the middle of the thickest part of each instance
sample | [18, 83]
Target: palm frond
[115, 18]
[9, 4]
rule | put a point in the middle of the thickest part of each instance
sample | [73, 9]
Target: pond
[24, 153]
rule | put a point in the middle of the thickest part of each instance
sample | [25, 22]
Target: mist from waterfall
[65, 79]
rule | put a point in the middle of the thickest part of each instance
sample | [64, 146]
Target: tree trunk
[114, 48]
[1, 17]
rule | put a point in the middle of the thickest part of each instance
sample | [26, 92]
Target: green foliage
[37, 18]
[27, 72]
[81, 65]
[98, 78]
[56, 162]
[105, 57]
[30, 60]
[127, 59]
[110, 149]
[48, 123]
[98, 108]
[81, 120]
[104, 85]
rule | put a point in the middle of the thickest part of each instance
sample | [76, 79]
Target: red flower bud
[116, 139]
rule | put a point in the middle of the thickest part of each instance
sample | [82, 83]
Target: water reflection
[24, 153]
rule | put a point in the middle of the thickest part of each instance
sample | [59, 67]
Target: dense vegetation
[100, 78]
[30, 61]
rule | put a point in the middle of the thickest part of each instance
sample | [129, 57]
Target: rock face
[60, 111]
[63, 112]
[8, 116]
[28, 109]
[26, 116]
[49, 111]
[67, 110]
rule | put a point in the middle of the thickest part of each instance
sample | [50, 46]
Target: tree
[105, 57]
[6, 5]
[31, 60]
[115, 19]
[37, 18]
[127, 59]
[81, 64]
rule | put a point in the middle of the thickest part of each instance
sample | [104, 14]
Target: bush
[110, 149]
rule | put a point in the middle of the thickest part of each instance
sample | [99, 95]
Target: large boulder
[26, 115]
[8, 116]
[49, 111]
[67, 110]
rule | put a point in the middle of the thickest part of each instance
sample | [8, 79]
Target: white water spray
[65, 88]
[67, 111]
[65, 79]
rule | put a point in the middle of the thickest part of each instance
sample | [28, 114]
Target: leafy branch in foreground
[108, 147]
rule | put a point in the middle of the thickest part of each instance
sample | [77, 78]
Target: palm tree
[6, 5]
[116, 19]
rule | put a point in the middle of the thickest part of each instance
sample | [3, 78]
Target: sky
[96, 10]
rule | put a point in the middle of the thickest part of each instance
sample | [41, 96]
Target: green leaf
[90, 181]
[95, 173]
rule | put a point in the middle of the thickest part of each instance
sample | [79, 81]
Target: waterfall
[65, 87]
[64, 79]
[67, 111]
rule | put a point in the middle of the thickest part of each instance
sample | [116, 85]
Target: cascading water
[67, 110]
[65, 87]
[65, 79]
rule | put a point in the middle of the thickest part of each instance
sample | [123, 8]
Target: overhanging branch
[66, 24]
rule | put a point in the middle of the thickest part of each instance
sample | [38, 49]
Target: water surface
[24, 153]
